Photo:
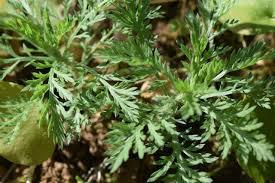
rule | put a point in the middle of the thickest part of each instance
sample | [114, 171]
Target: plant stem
[4, 178]
[30, 174]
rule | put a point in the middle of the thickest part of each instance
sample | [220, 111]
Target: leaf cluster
[180, 119]
[221, 105]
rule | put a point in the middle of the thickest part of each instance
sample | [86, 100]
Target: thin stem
[7, 174]
[30, 174]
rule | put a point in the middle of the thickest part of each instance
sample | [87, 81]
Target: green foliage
[209, 97]
[183, 116]
[60, 82]
[18, 120]
[136, 21]
[262, 172]
[13, 108]
[255, 16]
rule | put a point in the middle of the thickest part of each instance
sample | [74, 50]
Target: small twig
[243, 41]
[5, 177]
[30, 174]
[177, 56]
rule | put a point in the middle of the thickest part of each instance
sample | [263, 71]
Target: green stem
[30, 174]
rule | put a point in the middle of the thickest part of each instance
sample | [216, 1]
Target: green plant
[19, 126]
[254, 16]
[60, 82]
[68, 90]
[209, 105]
